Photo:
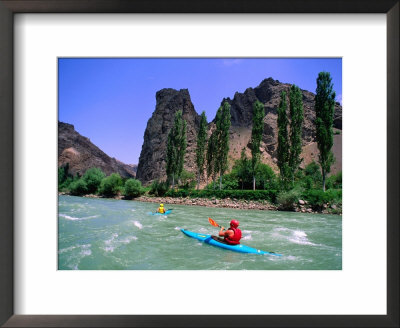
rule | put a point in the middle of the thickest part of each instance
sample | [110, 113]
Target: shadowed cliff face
[81, 154]
[152, 161]
[152, 158]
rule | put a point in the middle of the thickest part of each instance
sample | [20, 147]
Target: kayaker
[161, 209]
[233, 234]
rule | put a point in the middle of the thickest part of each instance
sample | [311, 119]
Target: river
[108, 234]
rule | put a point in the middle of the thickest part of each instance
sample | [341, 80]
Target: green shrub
[212, 185]
[269, 195]
[312, 178]
[61, 176]
[93, 178]
[299, 175]
[338, 180]
[242, 171]
[265, 177]
[145, 189]
[230, 182]
[78, 187]
[64, 177]
[177, 193]
[287, 199]
[158, 188]
[110, 186]
[317, 198]
[308, 182]
[313, 170]
[65, 186]
[133, 188]
[334, 181]
[187, 180]
[241, 176]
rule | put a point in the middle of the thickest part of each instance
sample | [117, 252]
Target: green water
[106, 234]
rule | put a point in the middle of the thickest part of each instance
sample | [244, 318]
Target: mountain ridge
[82, 154]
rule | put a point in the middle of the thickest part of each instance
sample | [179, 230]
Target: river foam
[138, 224]
[247, 237]
[71, 218]
[109, 243]
[294, 236]
[114, 242]
[74, 254]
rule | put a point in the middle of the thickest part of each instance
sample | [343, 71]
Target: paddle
[212, 222]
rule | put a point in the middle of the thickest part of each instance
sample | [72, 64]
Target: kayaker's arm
[228, 233]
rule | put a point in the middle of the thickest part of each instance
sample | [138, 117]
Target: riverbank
[302, 206]
[226, 202]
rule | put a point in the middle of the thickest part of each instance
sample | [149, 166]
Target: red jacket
[234, 240]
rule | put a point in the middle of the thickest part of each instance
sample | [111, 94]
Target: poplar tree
[201, 145]
[171, 157]
[296, 128]
[223, 123]
[181, 150]
[243, 167]
[176, 148]
[211, 157]
[283, 140]
[324, 110]
[256, 136]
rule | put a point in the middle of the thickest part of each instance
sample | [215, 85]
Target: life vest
[234, 240]
[161, 210]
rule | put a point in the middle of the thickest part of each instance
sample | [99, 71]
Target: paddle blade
[212, 222]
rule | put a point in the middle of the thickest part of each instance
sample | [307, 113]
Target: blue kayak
[158, 213]
[236, 248]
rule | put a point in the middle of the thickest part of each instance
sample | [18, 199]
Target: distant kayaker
[233, 234]
[161, 209]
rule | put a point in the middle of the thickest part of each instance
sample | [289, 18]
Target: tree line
[94, 181]
[212, 152]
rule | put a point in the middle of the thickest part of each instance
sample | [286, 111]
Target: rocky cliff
[268, 92]
[82, 154]
[152, 159]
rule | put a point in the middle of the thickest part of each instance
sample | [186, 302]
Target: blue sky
[109, 100]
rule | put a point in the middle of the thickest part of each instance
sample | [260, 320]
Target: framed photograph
[106, 208]
[61, 267]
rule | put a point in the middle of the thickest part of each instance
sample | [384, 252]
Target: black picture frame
[10, 7]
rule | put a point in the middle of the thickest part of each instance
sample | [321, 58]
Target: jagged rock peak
[270, 81]
[169, 92]
[152, 159]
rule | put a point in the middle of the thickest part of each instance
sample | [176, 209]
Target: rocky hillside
[268, 92]
[152, 159]
[81, 154]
